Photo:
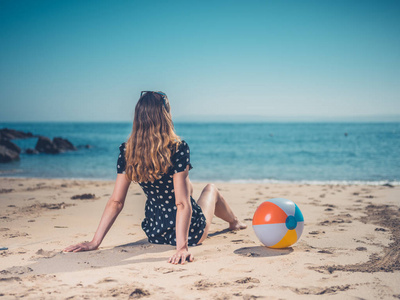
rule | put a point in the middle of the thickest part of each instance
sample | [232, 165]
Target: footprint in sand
[17, 270]
[46, 254]
[330, 205]
[247, 280]
[361, 249]
[191, 275]
[122, 292]
[320, 290]
[15, 234]
[325, 252]
[106, 280]
[14, 278]
[242, 241]
[168, 270]
[316, 232]
[204, 284]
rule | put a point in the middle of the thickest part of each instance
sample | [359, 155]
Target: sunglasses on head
[163, 96]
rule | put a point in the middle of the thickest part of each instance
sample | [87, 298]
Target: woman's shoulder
[181, 158]
[183, 146]
[122, 147]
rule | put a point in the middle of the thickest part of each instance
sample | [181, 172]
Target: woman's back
[160, 212]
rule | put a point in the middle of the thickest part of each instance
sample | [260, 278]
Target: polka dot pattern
[160, 210]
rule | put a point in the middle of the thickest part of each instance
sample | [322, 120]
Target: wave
[308, 182]
[234, 181]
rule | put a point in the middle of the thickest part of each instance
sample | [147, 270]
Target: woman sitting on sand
[156, 158]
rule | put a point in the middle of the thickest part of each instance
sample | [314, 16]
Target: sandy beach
[349, 248]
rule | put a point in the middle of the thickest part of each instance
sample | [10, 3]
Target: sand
[349, 248]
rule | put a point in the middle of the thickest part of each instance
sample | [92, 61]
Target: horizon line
[393, 118]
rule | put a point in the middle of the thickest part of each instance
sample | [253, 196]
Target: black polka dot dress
[160, 212]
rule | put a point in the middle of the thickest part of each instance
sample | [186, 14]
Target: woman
[156, 158]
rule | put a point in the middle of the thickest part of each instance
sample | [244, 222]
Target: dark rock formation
[45, 145]
[7, 155]
[58, 145]
[10, 145]
[63, 144]
[10, 151]
[31, 151]
[11, 134]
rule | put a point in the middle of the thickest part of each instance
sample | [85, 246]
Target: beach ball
[278, 223]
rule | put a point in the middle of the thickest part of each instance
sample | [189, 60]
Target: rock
[388, 185]
[31, 151]
[10, 145]
[380, 229]
[7, 155]
[139, 293]
[87, 146]
[63, 144]
[45, 145]
[84, 196]
[11, 134]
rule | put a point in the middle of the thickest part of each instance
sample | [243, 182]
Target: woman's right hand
[85, 246]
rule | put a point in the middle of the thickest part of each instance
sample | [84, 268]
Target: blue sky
[89, 60]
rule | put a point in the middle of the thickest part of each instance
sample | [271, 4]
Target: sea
[303, 152]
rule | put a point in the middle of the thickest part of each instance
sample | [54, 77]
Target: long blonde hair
[153, 139]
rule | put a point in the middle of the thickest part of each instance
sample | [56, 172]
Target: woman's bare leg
[212, 203]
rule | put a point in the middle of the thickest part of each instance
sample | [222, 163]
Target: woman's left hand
[181, 256]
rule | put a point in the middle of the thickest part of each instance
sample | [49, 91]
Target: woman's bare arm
[183, 216]
[111, 211]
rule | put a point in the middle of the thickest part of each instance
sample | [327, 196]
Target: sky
[216, 60]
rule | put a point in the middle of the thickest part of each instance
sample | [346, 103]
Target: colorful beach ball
[278, 223]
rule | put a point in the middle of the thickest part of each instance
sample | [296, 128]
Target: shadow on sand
[219, 232]
[128, 254]
[261, 251]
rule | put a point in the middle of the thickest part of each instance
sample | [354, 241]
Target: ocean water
[234, 152]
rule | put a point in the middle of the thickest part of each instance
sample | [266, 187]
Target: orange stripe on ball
[269, 213]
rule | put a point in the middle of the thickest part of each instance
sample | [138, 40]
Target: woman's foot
[237, 225]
